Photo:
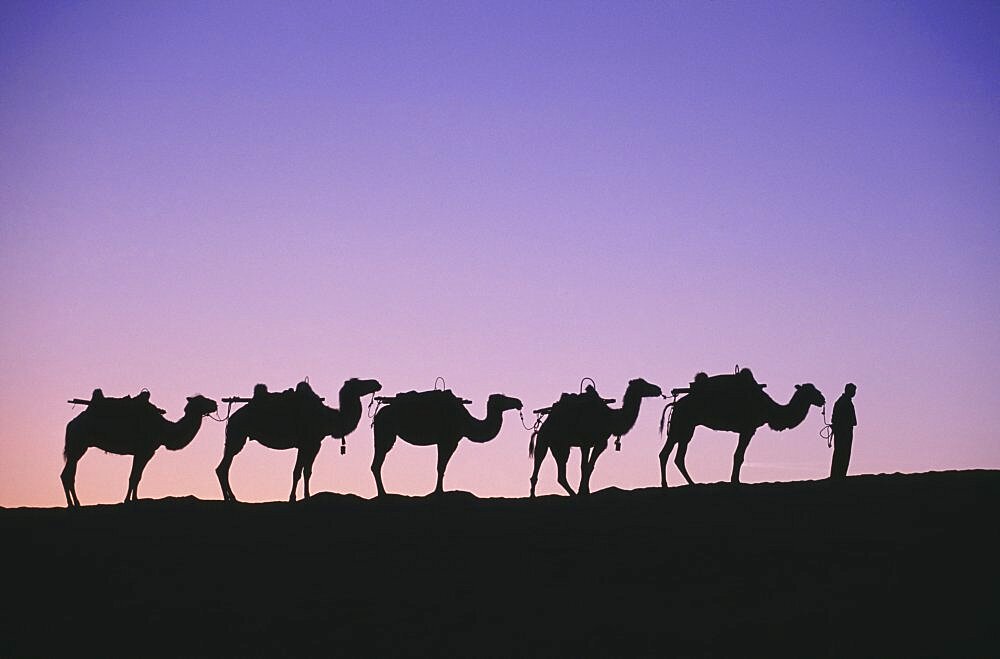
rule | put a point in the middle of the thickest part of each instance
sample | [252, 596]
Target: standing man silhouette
[843, 423]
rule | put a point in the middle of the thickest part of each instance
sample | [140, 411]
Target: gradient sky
[200, 196]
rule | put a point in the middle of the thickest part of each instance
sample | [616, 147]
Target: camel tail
[66, 442]
[664, 422]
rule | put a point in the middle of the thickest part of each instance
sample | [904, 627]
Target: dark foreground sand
[892, 565]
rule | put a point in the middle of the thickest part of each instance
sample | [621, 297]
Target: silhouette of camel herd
[298, 418]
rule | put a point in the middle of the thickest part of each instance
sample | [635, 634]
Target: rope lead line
[826, 432]
[376, 403]
[538, 421]
[229, 410]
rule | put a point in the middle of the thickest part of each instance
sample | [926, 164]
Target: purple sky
[196, 197]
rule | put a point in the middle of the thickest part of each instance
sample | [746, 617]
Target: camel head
[643, 389]
[503, 403]
[811, 394]
[200, 405]
[359, 388]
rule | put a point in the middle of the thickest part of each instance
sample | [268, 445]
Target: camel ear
[189, 399]
[798, 386]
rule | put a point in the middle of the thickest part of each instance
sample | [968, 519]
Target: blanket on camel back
[574, 404]
[436, 400]
[291, 402]
[137, 406]
[741, 383]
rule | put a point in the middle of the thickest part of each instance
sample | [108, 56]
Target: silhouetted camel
[434, 417]
[132, 431]
[296, 425]
[588, 425]
[735, 403]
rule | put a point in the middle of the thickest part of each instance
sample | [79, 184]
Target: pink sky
[199, 198]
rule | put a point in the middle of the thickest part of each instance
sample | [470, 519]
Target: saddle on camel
[301, 402]
[569, 403]
[741, 381]
[136, 406]
[436, 399]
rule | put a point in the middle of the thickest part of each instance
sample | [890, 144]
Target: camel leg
[307, 468]
[682, 449]
[741, 450]
[68, 476]
[541, 449]
[304, 458]
[234, 444]
[584, 476]
[139, 462]
[588, 468]
[664, 458]
[561, 455]
[680, 436]
[445, 451]
[384, 441]
[296, 474]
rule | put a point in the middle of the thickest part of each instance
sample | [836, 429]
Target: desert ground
[900, 565]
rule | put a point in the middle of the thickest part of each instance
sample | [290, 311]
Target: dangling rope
[538, 421]
[343, 440]
[443, 385]
[539, 415]
[376, 403]
[826, 432]
[594, 384]
[664, 419]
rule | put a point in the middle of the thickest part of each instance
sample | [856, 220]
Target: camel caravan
[300, 419]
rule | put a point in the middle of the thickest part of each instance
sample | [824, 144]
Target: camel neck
[180, 433]
[792, 414]
[483, 430]
[348, 415]
[623, 419]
